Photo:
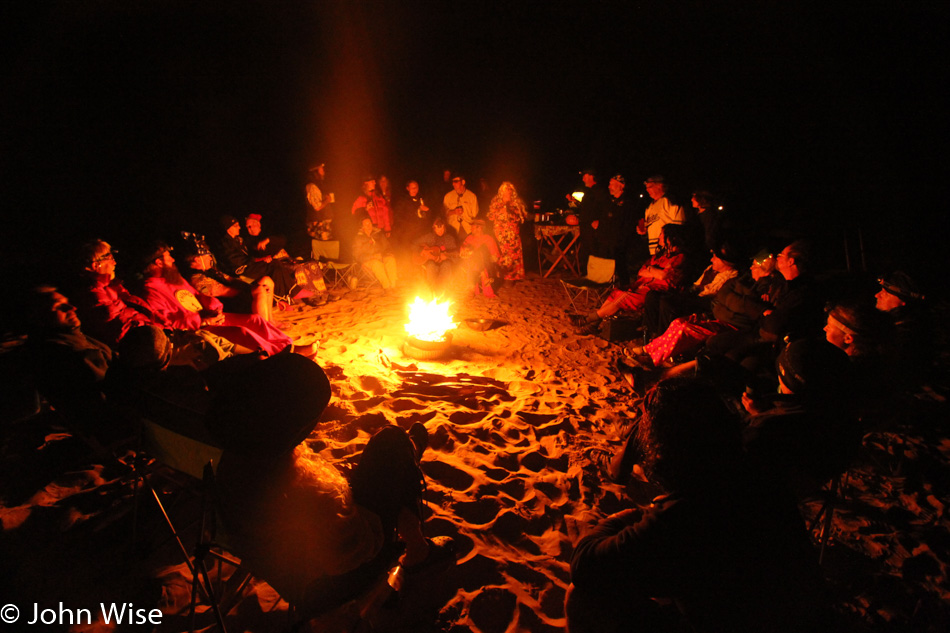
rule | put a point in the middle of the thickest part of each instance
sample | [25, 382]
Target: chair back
[600, 270]
[177, 451]
[327, 249]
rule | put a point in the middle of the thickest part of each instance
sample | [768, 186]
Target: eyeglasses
[104, 258]
[455, 180]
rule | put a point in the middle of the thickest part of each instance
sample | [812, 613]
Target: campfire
[428, 328]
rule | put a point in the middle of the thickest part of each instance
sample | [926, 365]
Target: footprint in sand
[479, 512]
[447, 475]
[468, 417]
[405, 404]
[371, 384]
[493, 610]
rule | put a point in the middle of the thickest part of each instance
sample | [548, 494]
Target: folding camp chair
[590, 291]
[337, 273]
[192, 456]
[327, 255]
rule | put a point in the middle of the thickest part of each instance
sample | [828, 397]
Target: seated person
[371, 250]
[176, 304]
[736, 307]
[104, 304]
[663, 271]
[797, 311]
[145, 379]
[805, 434]
[290, 515]
[236, 294]
[902, 301]
[479, 256]
[661, 308]
[437, 252]
[855, 329]
[722, 544]
[110, 311]
[262, 246]
[798, 307]
[866, 336]
[69, 367]
[237, 259]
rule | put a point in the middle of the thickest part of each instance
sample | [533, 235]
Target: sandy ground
[512, 414]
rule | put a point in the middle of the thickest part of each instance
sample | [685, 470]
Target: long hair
[516, 203]
[675, 235]
[688, 437]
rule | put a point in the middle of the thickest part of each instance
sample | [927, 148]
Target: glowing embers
[428, 329]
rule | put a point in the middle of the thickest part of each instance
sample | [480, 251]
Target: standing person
[660, 212]
[708, 217]
[385, 189]
[413, 217]
[620, 230]
[319, 214]
[507, 211]
[374, 205]
[591, 210]
[461, 207]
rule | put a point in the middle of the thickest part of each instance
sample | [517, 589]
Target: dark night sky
[132, 120]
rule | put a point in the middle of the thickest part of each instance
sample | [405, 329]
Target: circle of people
[803, 380]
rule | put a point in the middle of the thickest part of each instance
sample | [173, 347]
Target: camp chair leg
[829, 510]
[203, 579]
[171, 526]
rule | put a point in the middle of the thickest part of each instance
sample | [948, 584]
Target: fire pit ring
[427, 350]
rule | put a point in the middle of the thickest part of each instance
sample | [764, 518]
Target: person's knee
[265, 284]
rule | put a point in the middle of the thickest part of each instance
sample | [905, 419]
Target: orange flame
[429, 321]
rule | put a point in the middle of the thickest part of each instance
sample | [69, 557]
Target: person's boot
[583, 319]
[419, 436]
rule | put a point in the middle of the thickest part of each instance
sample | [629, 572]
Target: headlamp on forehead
[903, 290]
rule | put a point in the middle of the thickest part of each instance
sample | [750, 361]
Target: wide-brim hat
[270, 407]
[813, 367]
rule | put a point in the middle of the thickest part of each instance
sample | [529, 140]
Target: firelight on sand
[429, 321]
